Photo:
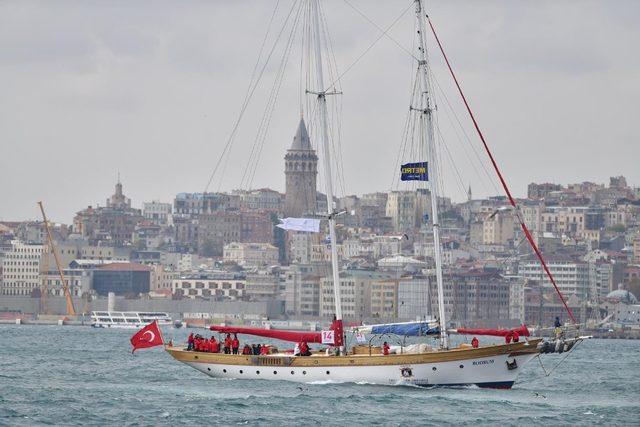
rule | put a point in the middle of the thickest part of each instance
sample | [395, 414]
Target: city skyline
[153, 96]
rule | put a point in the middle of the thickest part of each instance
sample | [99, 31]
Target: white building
[210, 285]
[413, 298]
[516, 297]
[78, 281]
[261, 199]
[300, 244]
[302, 291]
[21, 269]
[262, 285]
[572, 277]
[353, 297]
[251, 254]
[157, 212]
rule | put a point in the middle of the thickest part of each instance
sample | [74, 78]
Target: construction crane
[44, 271]
[71, 311]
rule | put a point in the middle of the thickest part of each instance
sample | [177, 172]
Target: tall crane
[44, 271]
[71, 311]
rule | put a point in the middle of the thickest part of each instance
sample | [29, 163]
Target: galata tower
[301, 169]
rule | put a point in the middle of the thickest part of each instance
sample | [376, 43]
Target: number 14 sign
[328, 337]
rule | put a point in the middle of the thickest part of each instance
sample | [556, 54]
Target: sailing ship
[492, 365]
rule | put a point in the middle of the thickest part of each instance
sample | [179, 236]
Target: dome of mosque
[622, 295]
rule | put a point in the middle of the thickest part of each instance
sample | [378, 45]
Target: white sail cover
[405, 328]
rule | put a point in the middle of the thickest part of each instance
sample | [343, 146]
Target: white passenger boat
[128, 319]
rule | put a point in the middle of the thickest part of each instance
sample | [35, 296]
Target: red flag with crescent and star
[149, 336]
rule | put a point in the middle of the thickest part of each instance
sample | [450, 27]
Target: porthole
[195, 357]
[257, 372]
[461, 366]
[434, 369]
[327, 372]
[275, 372]
[224, 370]
[208, 369]
[240, 370]
[292, 372]
[304, 372]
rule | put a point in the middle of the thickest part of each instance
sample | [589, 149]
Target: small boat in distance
[128, 319]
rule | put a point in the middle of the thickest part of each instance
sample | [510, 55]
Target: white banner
[328, 337]
[360, 338]
[311, 225]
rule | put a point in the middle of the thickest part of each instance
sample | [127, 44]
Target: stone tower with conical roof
[301, 169]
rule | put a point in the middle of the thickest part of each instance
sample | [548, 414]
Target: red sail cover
[293, 336]
[521, 330]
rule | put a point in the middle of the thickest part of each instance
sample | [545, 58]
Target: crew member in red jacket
[235, 344]
[475, 343]
[304, 349]
[264, 350]
[190, 342]
[227, 344]
[385, 348]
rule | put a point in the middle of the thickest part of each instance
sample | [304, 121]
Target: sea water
[63, 375]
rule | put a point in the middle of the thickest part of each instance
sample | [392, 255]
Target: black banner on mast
[414, 172]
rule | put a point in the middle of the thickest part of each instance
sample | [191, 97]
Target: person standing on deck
[385, 348]
[227, 344]
[190, 342]
[235, 344]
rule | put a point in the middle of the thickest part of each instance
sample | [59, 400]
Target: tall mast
[426, 119]
[324, 137]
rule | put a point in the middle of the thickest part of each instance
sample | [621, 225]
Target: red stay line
[502, 180]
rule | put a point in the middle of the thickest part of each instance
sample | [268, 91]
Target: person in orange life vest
[516, 336]
[246, 350]
[213, 345]
[264, 350]
[235, 344]
[207, 345]
[508, 338]
[475, 343]
[304, 349]
[227, 344]
[190, 342]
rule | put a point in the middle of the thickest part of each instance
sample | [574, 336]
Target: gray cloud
[152, 88]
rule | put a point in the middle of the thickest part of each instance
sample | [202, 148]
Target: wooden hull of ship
[495, 366]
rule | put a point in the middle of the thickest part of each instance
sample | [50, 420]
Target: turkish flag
[149, 336]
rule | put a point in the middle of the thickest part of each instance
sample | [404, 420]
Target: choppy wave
[83, 376]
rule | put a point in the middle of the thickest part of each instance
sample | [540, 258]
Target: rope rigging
[261, 134]
[512, 201]
[250, 90]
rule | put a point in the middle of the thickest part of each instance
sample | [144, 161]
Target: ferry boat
[487, 365]
[128, 319]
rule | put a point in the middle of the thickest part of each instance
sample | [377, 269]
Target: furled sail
[410, 329]
[521, 330]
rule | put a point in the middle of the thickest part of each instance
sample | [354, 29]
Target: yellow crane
[71, 311]
[44, 271]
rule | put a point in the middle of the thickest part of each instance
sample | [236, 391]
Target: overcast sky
[152, 88]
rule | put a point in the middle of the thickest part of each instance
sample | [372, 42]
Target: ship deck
[181, 354]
